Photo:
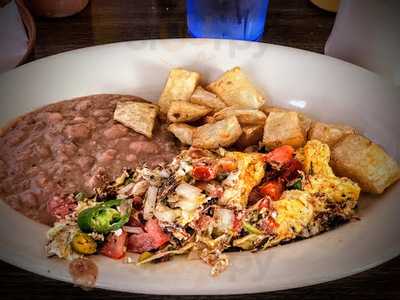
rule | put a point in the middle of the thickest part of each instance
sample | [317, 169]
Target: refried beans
[72, 146]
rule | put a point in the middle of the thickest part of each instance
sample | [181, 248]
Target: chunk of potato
[245, 116]
[329, 133]
[181, 111]
[283, 128]
[219, 134]
[365, 162]
[306, 122]
[251, 135]
[179, 87]
[182, 132]
[138, 116]
[268, 109]
[206, 98]
[234, 88]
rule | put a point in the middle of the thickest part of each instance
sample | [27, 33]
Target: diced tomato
[203, 173]
[59, 207]
[273, 189]
[203, 222]
[158, 235]
[152, 239]
[226, 165]
[290, 169]
[280, 155]
[237, 224]
[114, 246]
[268, 225]
[139, 243]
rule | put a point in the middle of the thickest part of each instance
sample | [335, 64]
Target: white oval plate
[325, 88]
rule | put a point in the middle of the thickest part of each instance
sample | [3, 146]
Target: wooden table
[294, 23]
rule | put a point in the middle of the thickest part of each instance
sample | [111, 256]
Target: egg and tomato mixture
[207, 202]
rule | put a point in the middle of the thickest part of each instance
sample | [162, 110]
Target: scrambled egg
[297, 211]
[294, 212]
[316, 158]
[335, 188]
[323, 183]
[239, 185]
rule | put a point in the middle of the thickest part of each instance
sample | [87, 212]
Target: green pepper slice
[251, 229]
[106, 217]
[296, 185]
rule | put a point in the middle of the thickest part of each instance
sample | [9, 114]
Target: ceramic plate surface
[323, 87]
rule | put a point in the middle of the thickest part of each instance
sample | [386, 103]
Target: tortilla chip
[138, 116]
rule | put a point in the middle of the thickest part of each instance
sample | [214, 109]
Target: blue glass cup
[227, 19]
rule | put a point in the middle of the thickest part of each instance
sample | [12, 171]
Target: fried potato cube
[329, 133]
[305, 121]
[179, 87]
[266, 109]
[234, 88]
[181, 111]
[245, 116]
[316, 158]
[239, 185]
[138, 116]
[251, 135]
[365, 162]
[182, 132]
[219, 134]
[283, 128]
[206, 98]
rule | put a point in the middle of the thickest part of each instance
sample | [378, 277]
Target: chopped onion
[165, 214]
[131, 229]
[188, 205]
[126, 190]
[150, 202]
[231, 180]
[190, 199]
[164, 173]
[223, 219]
[140, 188]
[188, 191]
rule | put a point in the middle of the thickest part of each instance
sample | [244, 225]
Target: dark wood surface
[294, 23]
